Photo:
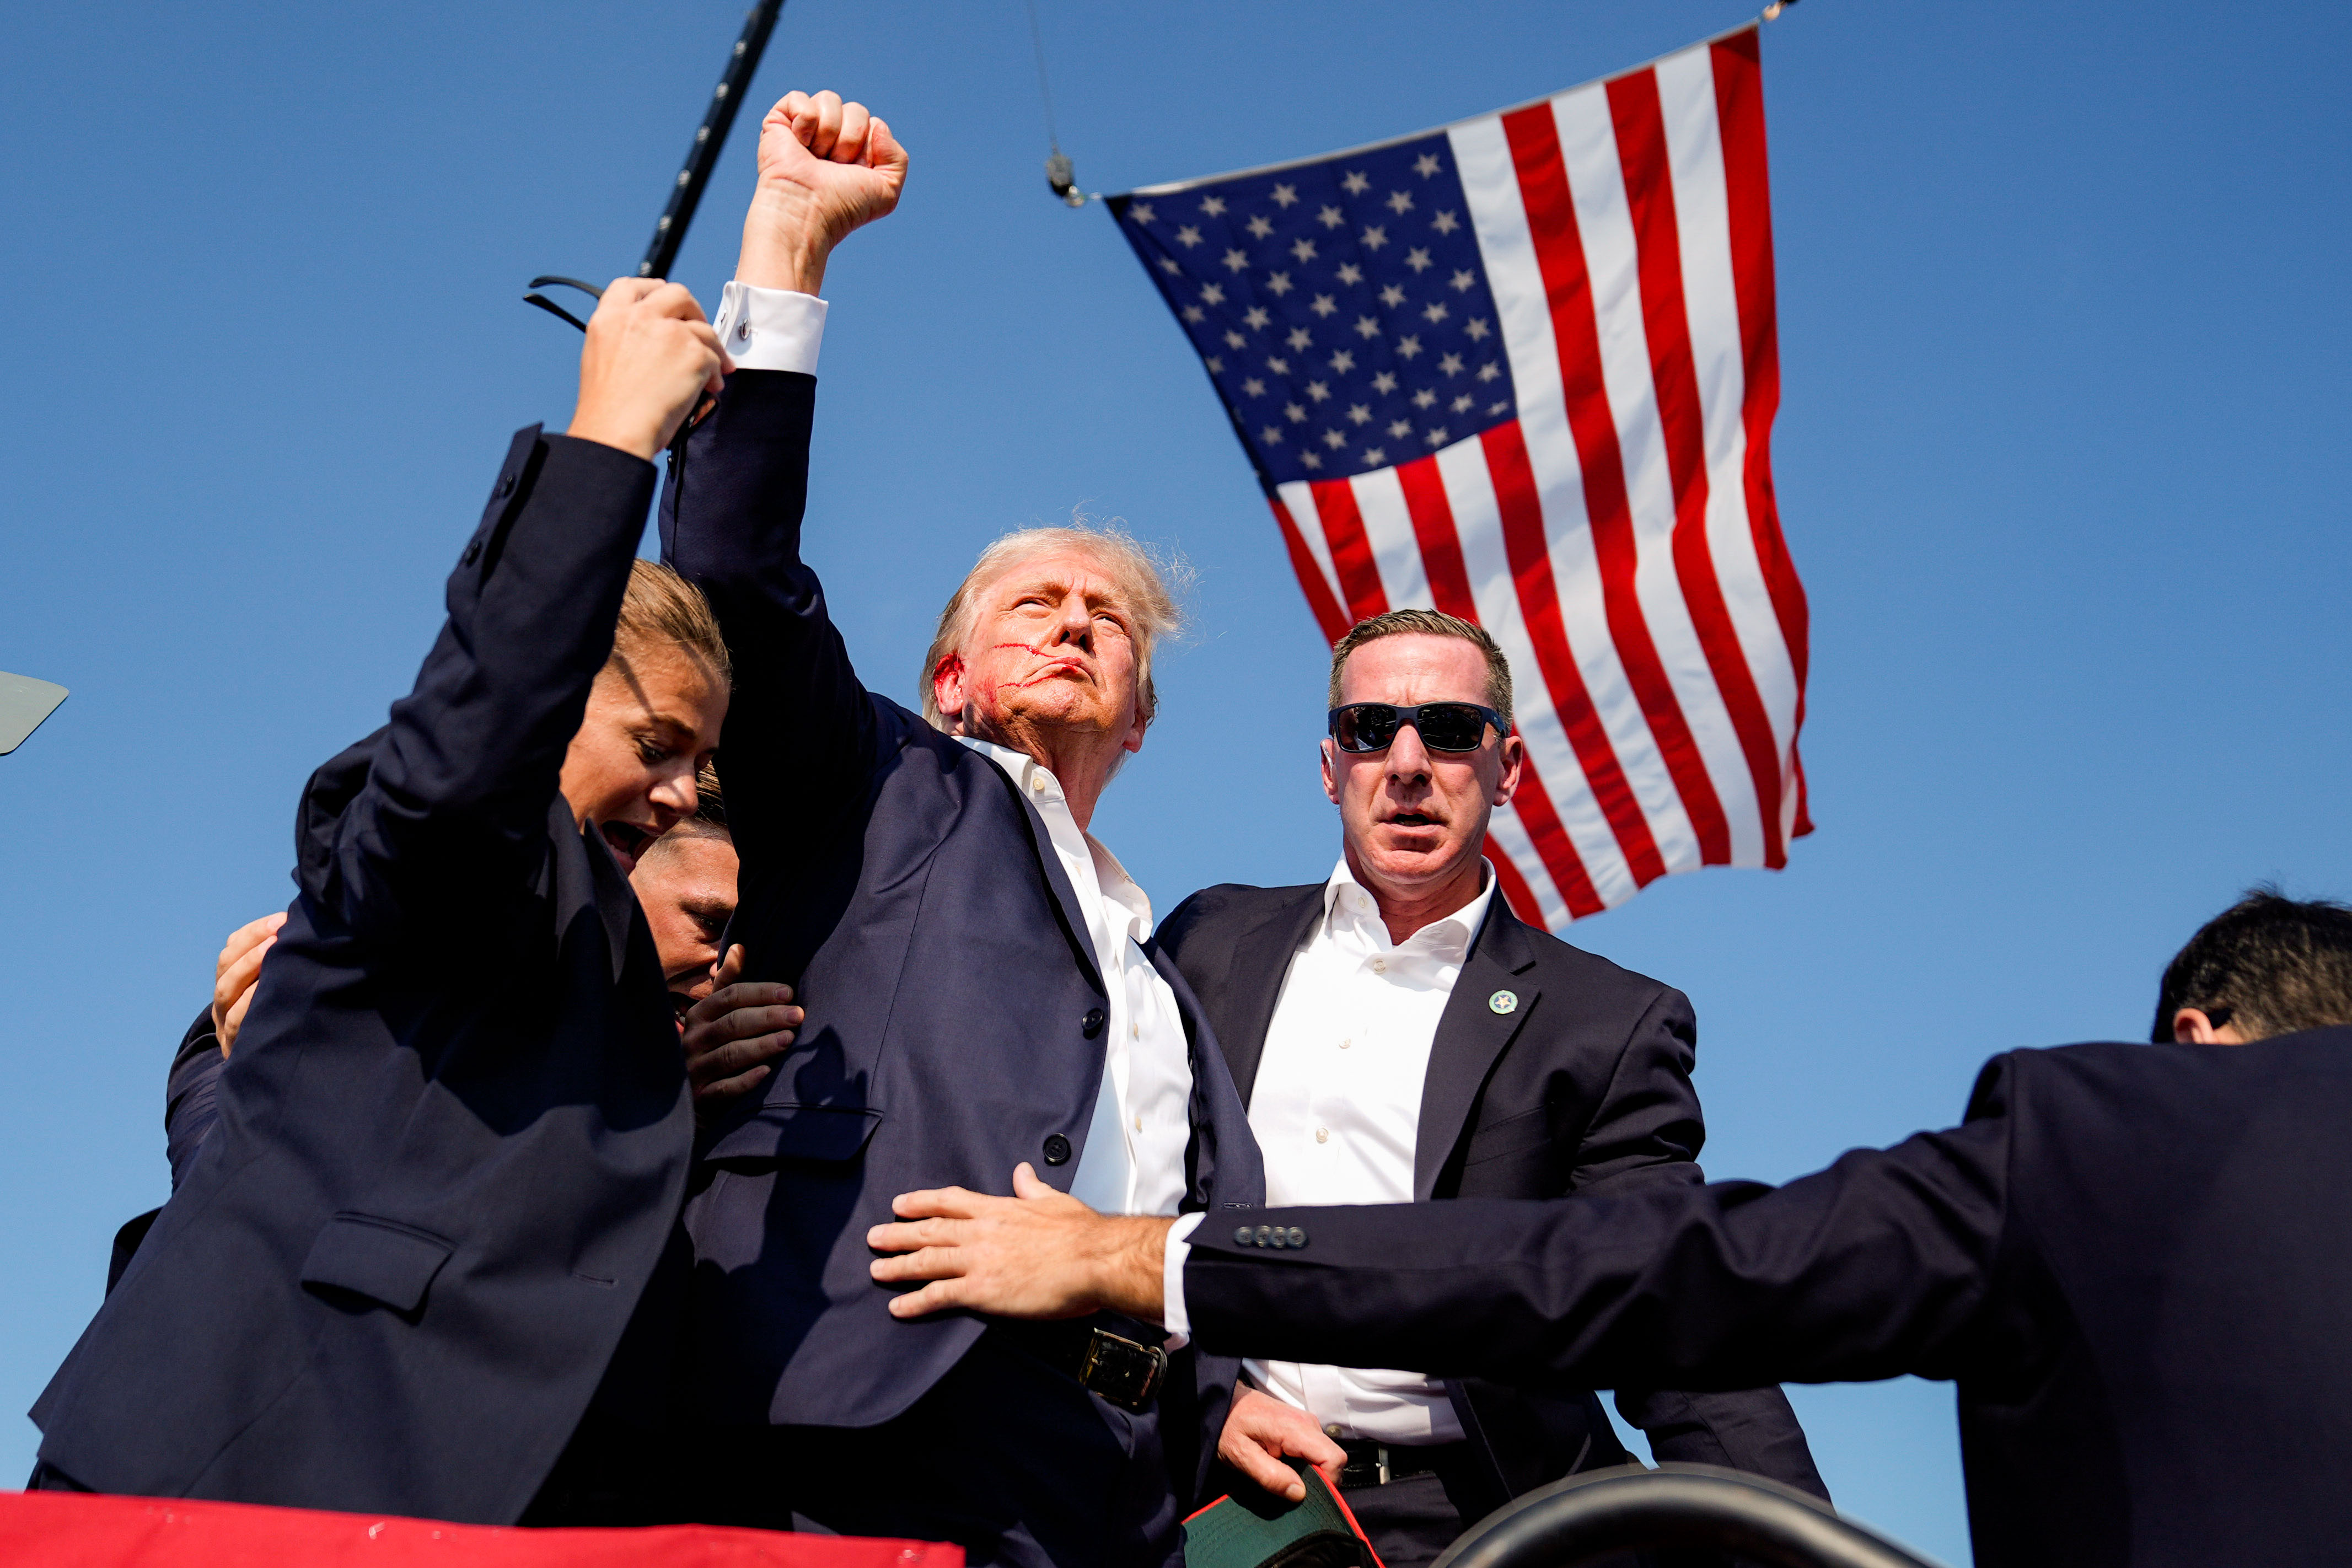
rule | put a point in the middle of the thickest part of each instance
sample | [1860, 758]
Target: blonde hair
[1428, 623]
[662, 607]
[1149, 582]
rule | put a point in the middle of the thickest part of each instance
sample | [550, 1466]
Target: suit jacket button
[473, 553]
[1245, 1236]
[505, 486]
[1092, 1024]
[1298, 1236]
[1057, 1150]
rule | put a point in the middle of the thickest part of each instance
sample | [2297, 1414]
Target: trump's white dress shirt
[1337, 1110]
[1134, 1157]
[769, 329]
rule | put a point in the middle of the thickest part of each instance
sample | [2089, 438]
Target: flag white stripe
[1388, 529]
[1596, 183]
[1479, 524]
[1498, 212]
[1300, 499]
[1507, 831]
[1695, 151]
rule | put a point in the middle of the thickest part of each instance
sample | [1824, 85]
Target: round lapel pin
[1503, 1002]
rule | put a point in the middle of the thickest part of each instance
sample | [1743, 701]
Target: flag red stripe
[1640, 123]
[1351, 552]
[1554, 848]
[1328, 615]
[1449, 585]
[1740, 111]
[1432, 530]
[1534, 138]
[1514, 887]
[1521, 510]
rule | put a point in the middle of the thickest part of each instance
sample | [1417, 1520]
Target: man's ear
[1330, 754]
[948, 686]
[1515, 761]
[2193, 1026]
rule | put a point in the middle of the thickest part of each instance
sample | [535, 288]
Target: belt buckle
[1122, 1371]
[1373, 1471]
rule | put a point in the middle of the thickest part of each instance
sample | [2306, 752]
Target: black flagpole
[710, 138]
[703, 157]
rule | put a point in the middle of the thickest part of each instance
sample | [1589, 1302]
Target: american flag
[1523, 369]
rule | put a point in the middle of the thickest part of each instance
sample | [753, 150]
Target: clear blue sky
[2064, 333]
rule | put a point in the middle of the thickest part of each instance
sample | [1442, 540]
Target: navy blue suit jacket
[456, 1132]
[2132, 1259]
[955, 1016]
[1584, 1087]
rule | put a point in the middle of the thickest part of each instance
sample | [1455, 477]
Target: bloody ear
[949, 668]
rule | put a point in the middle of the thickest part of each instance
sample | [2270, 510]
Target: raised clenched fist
[825, 168]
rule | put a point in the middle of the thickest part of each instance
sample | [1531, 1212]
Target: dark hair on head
[2276, 964]
[1427, 623]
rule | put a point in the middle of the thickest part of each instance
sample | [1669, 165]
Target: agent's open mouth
[627, 841]
[1413, 819]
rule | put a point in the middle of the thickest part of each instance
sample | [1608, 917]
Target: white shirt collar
[1347, 900]
[1038, 786]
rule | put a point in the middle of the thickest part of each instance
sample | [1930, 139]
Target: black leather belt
[1373, 1464]
[1124, 1371]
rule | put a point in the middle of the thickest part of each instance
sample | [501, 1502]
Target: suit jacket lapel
[591, 876]
[1471, 1036]
[1222, 1164]
[1262, 955]
[1065, 898]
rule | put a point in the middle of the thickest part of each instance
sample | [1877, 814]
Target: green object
[1257, 1530]
[24, 703]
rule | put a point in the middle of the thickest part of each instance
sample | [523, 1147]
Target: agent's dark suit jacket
[955, 1016]
[1584, 1087]
[456, 1131]
[2133, 1260]
[189, 1112]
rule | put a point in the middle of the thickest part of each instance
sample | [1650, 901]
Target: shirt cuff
[771, 328]
[1172, 1315]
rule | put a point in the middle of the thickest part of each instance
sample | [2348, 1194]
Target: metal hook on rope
[1059, 173]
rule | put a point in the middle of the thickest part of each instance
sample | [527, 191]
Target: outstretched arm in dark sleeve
[1876, 1267]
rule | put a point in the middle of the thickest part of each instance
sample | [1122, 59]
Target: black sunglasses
[1442, 726]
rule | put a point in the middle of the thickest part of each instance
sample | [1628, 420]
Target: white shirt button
[1322, 1135]
[1138, 1124]
[1344, 1044]
[1380, 966]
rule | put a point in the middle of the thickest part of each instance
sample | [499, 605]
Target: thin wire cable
[1037, 44]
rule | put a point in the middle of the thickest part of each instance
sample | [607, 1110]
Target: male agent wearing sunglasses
[1399, 1034]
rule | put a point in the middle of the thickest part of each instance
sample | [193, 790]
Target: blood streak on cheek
[1056, 662]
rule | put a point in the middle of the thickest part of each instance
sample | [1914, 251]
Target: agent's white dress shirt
[1339, 1123]
[1134, 1156]
[1337, 1110]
